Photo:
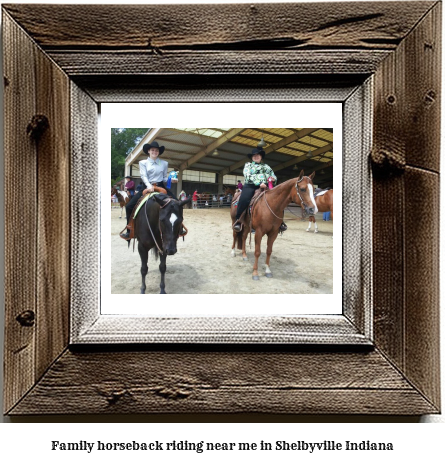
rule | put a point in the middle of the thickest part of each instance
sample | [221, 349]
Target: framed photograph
[376, 351]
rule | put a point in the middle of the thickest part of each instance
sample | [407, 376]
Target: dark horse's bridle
[168, 200]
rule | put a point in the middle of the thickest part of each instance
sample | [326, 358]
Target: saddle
[130, 225]
[249, 210]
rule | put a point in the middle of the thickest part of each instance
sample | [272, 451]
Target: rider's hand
[263, 186]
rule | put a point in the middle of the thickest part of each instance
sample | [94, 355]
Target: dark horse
[158, 225]
[267, 216]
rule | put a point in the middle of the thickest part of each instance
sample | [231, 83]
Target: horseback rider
[255, 174]
[153, 170]
[129, 185]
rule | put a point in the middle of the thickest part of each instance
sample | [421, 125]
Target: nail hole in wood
[37, 126]
[26, 318]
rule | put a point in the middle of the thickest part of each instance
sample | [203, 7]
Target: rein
[263, 194]
[167, 201]
[152, 235]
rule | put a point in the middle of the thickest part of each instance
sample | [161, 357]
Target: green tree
[123, 140]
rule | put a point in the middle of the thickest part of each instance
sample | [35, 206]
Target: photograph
[221, 207]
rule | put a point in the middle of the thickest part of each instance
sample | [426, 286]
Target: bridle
[303, 205]
[167, 201]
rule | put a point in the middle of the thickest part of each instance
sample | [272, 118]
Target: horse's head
[113, 190]
[303, 194]
[170, 221]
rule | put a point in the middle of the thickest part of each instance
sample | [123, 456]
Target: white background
[217, 115]
[414, 443]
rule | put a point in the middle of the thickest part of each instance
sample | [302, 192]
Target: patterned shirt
[256, 173]
[153, 171]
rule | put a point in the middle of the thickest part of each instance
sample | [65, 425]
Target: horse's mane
[289, 181]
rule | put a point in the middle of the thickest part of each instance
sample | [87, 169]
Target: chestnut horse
[205, 197]
[229, 190]
[122, 197]
[267, 216]
[325, 203]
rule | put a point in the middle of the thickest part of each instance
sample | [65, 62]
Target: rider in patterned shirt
[256, 173]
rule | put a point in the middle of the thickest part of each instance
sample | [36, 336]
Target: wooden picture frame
[57, 72]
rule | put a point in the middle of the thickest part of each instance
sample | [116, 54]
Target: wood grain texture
[406, 132]
[221, 382]
[109, 329]
[85, 237]
[218, 88]
[53, 206]
[274, 26]
[422, 281]
[356, 210]
[423, 91]
[127, 62]
[21, 215]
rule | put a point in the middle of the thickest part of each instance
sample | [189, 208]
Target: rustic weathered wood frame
[58, 68]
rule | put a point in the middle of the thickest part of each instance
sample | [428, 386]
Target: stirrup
[184, 231]
[125, 236]
[237, 226]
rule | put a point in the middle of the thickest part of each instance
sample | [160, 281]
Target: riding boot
[125, 236]
[283, 227]
[184, 230]
[237, 226]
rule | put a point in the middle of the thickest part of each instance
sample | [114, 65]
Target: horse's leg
[234, 244]
[143, 253]
[311, 218]
[270, 240]
[162, 269]
[233, 216]
[258, 237]
[245, 233]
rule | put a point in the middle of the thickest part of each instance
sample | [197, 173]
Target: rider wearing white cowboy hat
[153, 170]
[256, 174]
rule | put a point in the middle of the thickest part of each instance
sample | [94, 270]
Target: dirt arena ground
[301, 261]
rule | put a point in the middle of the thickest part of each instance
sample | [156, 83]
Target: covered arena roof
[287, 149]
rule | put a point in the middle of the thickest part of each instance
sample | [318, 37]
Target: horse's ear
[312, 176]
[185, 201]
[301, 174]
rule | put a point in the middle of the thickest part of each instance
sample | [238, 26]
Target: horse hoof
[316, 231]
[245, 259]
[142, 291]
[256, 278]
[307, 229]
[233, 254]
[268, 275]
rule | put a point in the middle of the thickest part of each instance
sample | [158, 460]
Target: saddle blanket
[143, 201]
[235, 204]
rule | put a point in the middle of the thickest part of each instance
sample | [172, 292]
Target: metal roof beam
[272, 148]
[297, 160]
[210, 148]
